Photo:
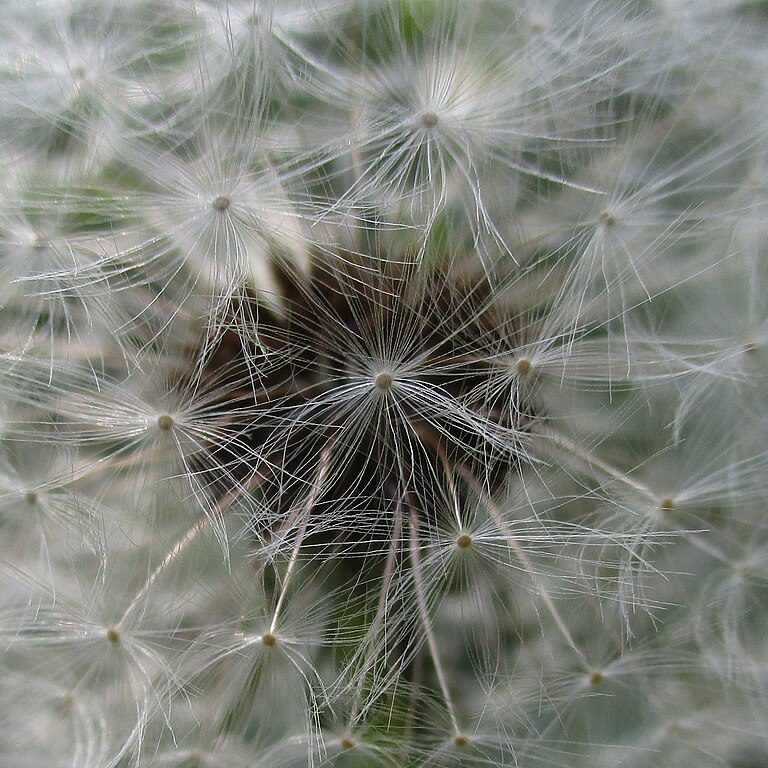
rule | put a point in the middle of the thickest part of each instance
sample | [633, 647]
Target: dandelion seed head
[376, 320]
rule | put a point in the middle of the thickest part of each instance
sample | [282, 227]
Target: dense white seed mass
[383, 384]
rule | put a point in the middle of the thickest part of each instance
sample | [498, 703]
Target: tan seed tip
[220, 203]
[383, 381]
[607, 219]
[429, 119]
[523, 366]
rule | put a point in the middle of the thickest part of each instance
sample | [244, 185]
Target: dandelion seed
[667, 504]
[165, 422]
[437, 115]
[523, 366]
[269, 640]
[384, 381]
[429, 119]
[464, 541]
[220, 203]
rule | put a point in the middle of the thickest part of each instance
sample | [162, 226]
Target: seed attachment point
[607, 219]
[269, 640]
[464, 541]
[384, 381]
[220, 203]
[165, 422]
[112, 635]
[429, 119]
[523, 366]
[667, 504]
